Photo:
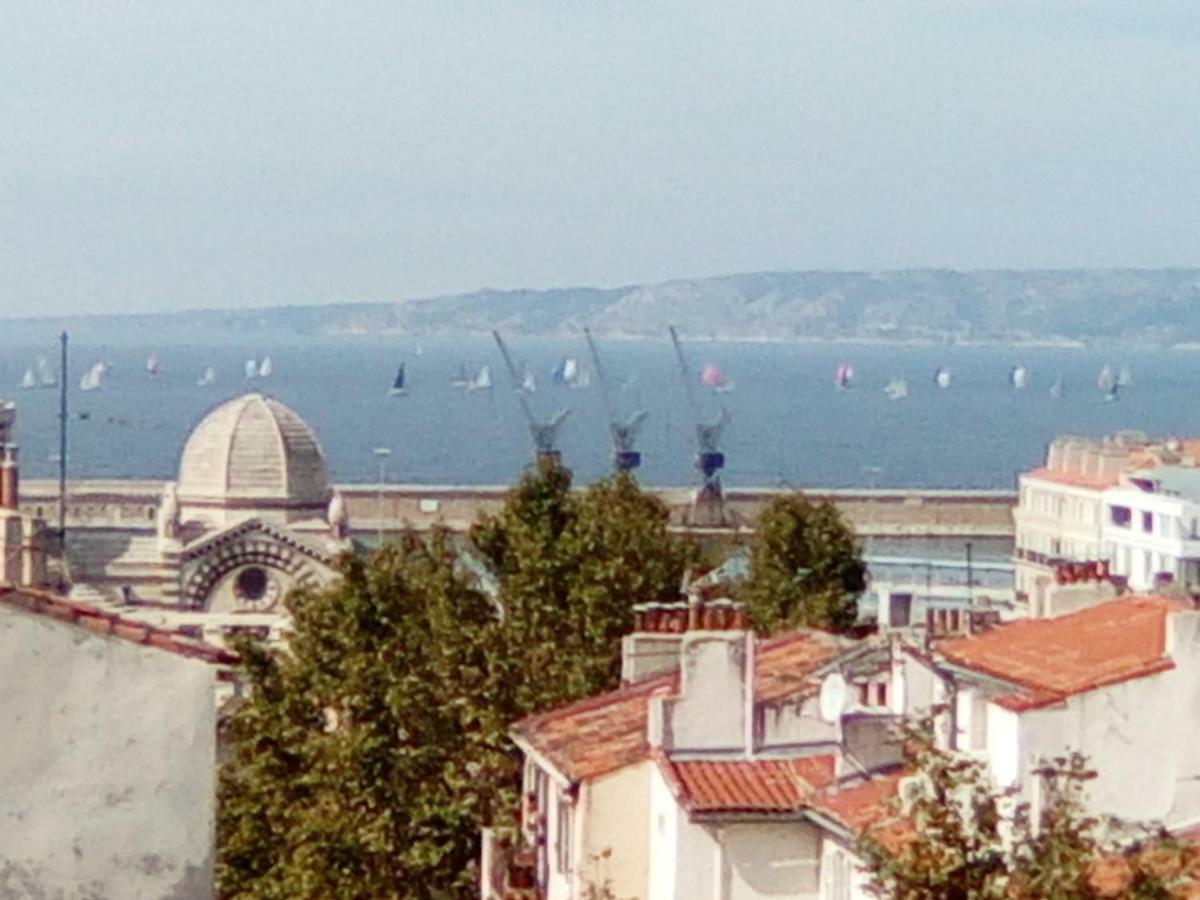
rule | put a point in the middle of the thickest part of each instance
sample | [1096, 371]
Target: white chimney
[714, 708]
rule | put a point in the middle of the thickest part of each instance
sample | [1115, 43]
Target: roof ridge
[102, 621]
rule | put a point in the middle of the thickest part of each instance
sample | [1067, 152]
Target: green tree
[954, 836]
[370, 752]
[571, 565]
[805, 567]
[366, 756]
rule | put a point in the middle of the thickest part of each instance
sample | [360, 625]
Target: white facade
[1132, 708]
[1151, 528]
[108, 765]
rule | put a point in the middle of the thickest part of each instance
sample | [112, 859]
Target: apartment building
[751, 768]
[1062, 511]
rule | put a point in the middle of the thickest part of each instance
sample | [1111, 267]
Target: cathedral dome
[253, 452]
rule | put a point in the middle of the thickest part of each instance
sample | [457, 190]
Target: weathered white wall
[842, 874]
[769, 861]
[614, 814]
[712, 711]
[108, 764]
[1124, 730]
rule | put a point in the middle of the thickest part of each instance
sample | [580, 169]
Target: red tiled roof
[860, 806]
[604, 733]
[102, 622]
[1051, 659]
[1073, 478]
[747, 785]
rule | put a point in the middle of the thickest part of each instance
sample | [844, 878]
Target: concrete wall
[615, 828]
[727, 861]
[1124, 730]
[842, 874]
[108, 766]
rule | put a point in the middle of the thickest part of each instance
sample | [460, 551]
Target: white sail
[570, 370]
[482, 381]
[251, 368]
[1019, 377]
[93, 379]
[1106, 380]
[46, 376]
[942, 378]
[897, 389]
[152, 364]
[29, 381]
[265, 368]
[209, 376]
[1056, 389]
[528, 381]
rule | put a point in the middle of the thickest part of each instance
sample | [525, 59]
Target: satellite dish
[833, 697]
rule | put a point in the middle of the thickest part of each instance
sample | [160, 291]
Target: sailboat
[1056, 389]
[843, 375]
[251, 368]
[942, 377]
[1108, 383]
[152, 365]
[897, 389]
[482, 381]
[1019, 377]
[398, 388]
[567, 371]
[528, 381]
[93, 378]
[715, 379]
[209, 377]
[265, 368]
[46, 376]
[29, 381]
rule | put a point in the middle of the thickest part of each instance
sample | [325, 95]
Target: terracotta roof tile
[107, 623]
[747, 785]
[1073, 478]
[607, 732]
[1051, 659]
[860, 806]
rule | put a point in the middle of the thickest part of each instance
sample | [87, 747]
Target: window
[1148, 522]
[1121, 516]
[562, 836]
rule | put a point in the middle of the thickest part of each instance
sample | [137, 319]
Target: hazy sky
[172, 154]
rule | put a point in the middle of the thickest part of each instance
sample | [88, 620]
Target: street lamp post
[381, 454]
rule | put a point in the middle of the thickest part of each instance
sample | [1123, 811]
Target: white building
[1062, 512]
[109, 754]
[707, 779]
[1151, 528]
[750, 771]
[251, 517]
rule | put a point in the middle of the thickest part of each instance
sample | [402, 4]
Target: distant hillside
[1153, 307]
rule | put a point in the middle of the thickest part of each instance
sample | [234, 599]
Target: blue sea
[788, 424]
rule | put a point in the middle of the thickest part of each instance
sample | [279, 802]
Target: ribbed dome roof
[253, 448]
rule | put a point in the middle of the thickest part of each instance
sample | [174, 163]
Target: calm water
[789, 425]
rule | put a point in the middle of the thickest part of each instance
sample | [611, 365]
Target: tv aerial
[709, 458]
[623, 433]
[543, 432]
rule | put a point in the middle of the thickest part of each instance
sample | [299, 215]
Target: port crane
[623, 433]
[709, 459]
[543, 432]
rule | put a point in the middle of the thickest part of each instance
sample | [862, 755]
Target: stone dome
[253, 452]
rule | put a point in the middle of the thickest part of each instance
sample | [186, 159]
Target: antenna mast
[623, 434]
[544, 434]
